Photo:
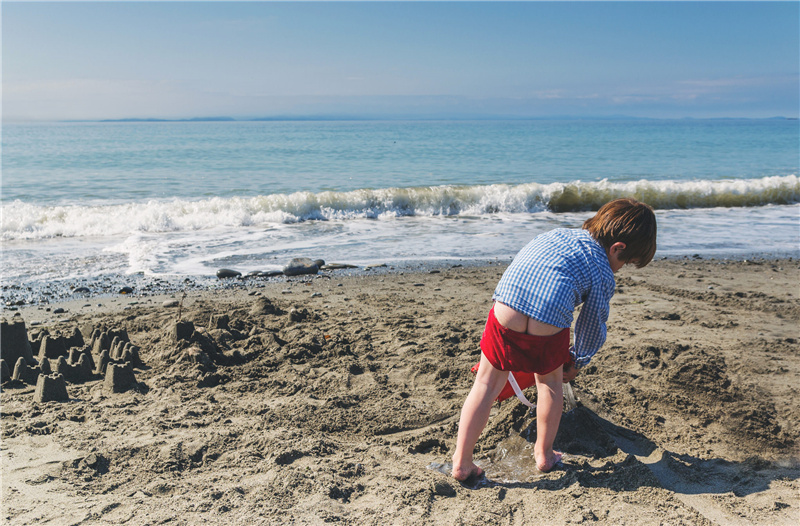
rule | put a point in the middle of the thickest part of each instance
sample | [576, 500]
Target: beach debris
[225, 273]
[14, 342]
[300, 266]
[126, 290]
[51, 388]
[119, 378]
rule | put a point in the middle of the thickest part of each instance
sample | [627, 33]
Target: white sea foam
[21, 220]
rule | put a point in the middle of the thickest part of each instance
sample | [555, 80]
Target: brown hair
[627, 221]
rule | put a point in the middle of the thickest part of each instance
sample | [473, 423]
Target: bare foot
[546, 462]
[463, 473]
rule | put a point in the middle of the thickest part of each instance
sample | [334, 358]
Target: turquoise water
[119, 162]
[186, 198]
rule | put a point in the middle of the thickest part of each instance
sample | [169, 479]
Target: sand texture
[336, 398]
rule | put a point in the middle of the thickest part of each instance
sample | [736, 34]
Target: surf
[28, 221]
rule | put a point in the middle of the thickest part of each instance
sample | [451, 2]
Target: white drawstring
[518, 391]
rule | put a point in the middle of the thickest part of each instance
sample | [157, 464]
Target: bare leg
[474, 416]
[549, 404]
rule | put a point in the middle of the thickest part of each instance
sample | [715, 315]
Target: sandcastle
[50, 361]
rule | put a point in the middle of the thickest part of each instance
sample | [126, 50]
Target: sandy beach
[335, 398]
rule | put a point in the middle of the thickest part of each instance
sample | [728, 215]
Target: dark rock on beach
[300, 266]
[336, 266]
[225, 273]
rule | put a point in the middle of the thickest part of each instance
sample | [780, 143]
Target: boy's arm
[590, 329]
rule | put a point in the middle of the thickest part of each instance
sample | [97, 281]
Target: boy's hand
[570, 372]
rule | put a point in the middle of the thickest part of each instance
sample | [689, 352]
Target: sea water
[88, 199]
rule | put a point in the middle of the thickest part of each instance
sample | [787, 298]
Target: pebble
[286, 291]
[80, 290]
[126, 290]
[316, 295]
[59, 310]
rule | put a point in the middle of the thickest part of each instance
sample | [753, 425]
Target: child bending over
[528, 326]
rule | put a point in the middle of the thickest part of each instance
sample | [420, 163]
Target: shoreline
[153, 288]
[321, 399]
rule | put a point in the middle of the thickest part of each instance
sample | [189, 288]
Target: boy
[528, 326]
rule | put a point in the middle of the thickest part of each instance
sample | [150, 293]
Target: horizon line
[331, 118]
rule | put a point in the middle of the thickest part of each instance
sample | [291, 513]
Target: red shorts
[509, 350]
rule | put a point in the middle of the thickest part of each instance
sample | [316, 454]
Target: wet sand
[335, 398]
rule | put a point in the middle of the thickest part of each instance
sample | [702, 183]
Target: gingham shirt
[555, 273]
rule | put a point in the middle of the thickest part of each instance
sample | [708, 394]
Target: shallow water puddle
[512, 462]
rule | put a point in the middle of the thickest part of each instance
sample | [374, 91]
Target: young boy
[528, 326]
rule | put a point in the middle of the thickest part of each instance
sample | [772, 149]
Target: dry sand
[338, 411]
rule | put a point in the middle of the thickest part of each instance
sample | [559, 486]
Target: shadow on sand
[599, 453]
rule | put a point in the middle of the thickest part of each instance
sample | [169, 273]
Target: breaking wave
[22, 220]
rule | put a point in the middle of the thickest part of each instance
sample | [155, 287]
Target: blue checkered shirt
[555, 273]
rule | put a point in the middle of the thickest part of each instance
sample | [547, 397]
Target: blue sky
[455, 59]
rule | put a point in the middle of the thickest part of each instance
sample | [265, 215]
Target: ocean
[88, 200]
